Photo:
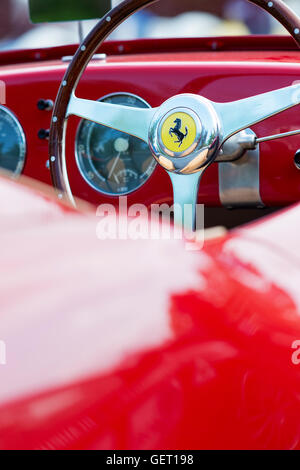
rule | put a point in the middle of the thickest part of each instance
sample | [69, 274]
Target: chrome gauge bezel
[22, 144]
[77, 157]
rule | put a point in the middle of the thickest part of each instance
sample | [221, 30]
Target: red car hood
[121, 344]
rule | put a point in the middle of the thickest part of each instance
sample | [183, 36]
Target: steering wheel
[185, 133]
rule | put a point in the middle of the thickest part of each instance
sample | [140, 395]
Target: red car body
[141, 344]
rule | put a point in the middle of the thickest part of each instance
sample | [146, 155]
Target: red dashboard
[219, 69]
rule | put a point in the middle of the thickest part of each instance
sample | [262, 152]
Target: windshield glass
[167, 18]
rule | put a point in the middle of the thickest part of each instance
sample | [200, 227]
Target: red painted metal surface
[236, 69]
[144, 345]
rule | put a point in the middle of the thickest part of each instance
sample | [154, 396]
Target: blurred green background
[42, 11]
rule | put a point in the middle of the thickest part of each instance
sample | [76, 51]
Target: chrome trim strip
[239, 181]
[185, 192]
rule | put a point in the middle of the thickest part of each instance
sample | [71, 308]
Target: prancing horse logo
[176, 130]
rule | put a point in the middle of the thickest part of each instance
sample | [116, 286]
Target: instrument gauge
[111, 161]
[12, 143]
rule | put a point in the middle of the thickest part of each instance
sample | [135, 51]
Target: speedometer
[12, 142]
[111, 161]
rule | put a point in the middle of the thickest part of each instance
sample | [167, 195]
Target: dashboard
[104, 164]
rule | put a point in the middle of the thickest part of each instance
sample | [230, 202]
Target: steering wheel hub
[185, 134]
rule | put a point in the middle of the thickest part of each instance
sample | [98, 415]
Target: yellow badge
[178, 132]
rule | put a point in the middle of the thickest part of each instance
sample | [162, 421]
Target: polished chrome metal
[133, 121]
[236, 146]
[197, 137]
[125, 93]
[208, 136]
[80, 32]
[215, 124]
[260, 140]
[185, 196]
[239, 181]
[297, 159]
[239, 115]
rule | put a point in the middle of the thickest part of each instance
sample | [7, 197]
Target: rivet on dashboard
[64, 83]
[270, 4]
[108, 18]
[83, 48]
[52, 159]
[54, 119]
[297, 31]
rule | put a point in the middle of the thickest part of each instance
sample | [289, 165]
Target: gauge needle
[114, 165]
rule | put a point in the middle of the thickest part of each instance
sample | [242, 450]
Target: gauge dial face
[12, 143]
[110, 161]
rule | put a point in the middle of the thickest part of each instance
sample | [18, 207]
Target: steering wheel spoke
[241, 114]
[133, 121]
[185, 195]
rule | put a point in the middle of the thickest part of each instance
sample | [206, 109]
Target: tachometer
[12, 142]
[110, 161]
